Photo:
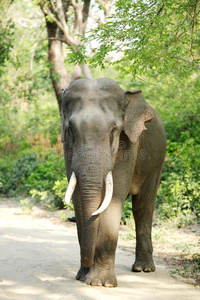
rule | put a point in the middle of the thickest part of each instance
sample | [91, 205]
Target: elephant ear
[137, 113]
[62, 127]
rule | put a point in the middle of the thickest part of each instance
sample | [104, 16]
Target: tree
[6, 33]
[161, 36]
[66, 22]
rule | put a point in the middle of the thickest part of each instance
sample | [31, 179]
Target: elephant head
[94, 115]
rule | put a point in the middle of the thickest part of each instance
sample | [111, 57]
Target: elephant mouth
[107, 197]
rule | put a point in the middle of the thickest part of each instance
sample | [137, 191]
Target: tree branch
[191, 34]
[61, 16]
[61, 23]
[86, 8]
[145, 80]
[106, 6]
[74, 4]
[76, 23]
[161, 9]
[195, 14]
[192, 29]
[53, 6]
[80, 17]
[48, 12]
[188, 61]
[96, 18]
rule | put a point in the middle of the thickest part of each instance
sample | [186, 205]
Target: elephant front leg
[102, 272]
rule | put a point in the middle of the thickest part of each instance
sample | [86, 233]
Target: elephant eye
[113, 129]
[70, 133]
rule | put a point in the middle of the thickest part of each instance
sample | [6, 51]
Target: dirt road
[39, 258]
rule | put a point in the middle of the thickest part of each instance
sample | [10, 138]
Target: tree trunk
[56, 16]
[59, 75]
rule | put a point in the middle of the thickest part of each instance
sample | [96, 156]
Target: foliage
[27, 69]
[30, 122]
[127, 210]
[196, 258]
[14, 175]
[6, 43]
[6, 33]
[27, 124]
[43, 182]
[46, 199]
[178, 106]
[59, 188]
[151, 35]
[46, 173]
[25, 86]
[180, 188]
[26, 204]
[44, 178]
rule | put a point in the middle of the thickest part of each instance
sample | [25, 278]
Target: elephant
[114, 146]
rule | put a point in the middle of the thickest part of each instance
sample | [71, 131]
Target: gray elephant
[114, 146]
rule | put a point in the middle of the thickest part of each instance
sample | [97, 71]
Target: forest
[150, 45]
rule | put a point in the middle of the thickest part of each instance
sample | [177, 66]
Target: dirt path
[39, 258]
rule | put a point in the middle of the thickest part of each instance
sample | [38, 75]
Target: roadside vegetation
[31, 156]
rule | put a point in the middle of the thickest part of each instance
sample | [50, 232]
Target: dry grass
[43, 141]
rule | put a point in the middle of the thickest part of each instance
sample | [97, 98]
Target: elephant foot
[83, 271]
[146, 266]
[99, 277]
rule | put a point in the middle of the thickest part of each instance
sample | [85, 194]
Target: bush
[43, 177]
[50, 169]
[179, 191]
[53, 198]
[47, 199]
[14, 174]
[127, 210]
[42, 180]
[60, 187]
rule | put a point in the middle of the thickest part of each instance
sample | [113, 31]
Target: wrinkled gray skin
[103, 130]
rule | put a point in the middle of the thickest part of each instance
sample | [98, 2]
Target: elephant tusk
[70, 188]
[108, 194]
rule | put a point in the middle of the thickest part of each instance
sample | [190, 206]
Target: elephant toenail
[96, 282]
[87, 281]
[136, 269]
[147, 270]
[108, 284]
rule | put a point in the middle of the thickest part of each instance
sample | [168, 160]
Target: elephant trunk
[95, 189]
[91, 187]
[90, 225]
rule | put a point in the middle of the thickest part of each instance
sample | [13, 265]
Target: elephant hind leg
[143, 207]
